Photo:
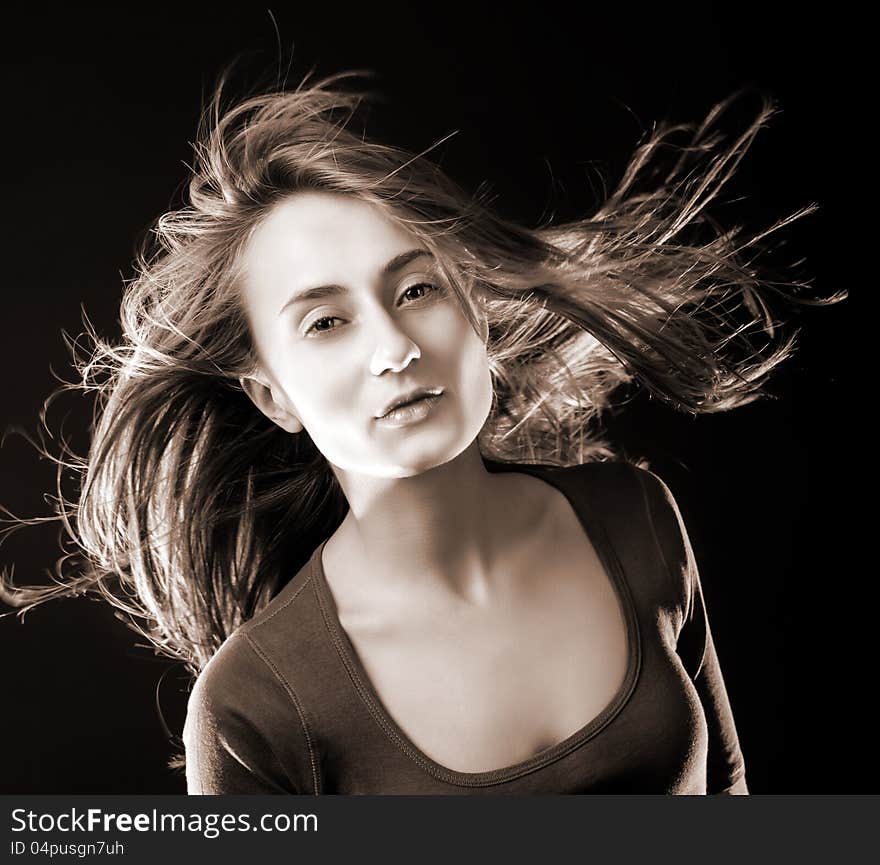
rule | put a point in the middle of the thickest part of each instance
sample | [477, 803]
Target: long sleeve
[226, 733]
[725, 767]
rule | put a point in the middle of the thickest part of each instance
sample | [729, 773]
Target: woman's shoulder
[628, 489]
[241, 732]
[272, 659]
[631, 500]
[620, 478]
[242, 655]
[611, 480]
[602, 470]
[217, 687]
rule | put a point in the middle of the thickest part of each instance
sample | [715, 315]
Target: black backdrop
[99, 108]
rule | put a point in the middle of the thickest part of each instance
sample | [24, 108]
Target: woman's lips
[412, 396]
[411, 412]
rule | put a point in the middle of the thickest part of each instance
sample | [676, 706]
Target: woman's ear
[259, 390]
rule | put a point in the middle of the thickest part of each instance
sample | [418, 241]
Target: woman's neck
[439, 534]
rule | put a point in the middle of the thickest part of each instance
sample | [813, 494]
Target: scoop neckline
[597, 536]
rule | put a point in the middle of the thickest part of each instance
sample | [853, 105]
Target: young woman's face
[348, 313]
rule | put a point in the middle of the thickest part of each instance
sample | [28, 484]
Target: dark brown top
[285, 706]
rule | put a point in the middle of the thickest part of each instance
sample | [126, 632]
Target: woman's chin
[410, 459]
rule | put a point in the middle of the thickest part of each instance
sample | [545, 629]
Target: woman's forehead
[316, 228]
[314, 239]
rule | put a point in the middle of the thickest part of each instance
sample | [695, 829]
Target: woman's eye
[421, 290]
[321, 325]
[413, 294]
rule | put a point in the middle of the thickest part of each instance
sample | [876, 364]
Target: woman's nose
[394, 349]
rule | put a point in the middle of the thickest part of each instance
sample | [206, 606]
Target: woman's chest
[647, 737]
[487, 688]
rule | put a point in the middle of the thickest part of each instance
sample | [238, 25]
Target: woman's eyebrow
[322, 291]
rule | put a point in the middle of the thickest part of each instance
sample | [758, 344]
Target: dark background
[99, 109]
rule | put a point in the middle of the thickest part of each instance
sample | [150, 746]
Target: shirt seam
[646, 501]
[692, 588]
[253, 624]
[365, 697]
[691, 583]
[285, 684]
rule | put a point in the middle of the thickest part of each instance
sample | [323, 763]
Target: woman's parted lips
[410, 396]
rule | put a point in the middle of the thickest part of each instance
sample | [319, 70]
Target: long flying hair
[194, 509]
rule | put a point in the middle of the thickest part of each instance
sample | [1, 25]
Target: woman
[345, 469]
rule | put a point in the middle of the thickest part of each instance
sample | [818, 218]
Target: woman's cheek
[444, 331]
